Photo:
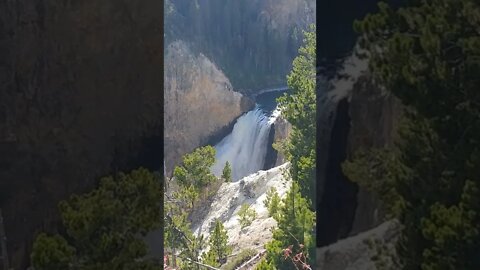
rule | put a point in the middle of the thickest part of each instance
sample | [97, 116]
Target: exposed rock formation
[252, 41]
[357, 252]
[280, 132]
[80, 90]
[282, 129]
[199, 102]
[228, 201]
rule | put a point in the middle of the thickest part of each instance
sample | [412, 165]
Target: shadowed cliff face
[338, 201]
[365, 117]
[375, 118]
[80, 96]
[252, 41]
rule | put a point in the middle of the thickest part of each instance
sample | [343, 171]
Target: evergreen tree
[52, 253]
[428, 55]
[294, 217]
[177, 233]
[219, 248]
[187, 194]
[193, 252]
[272, 202]
[295, 223]
[299, 108]
[105, 227]
[227, 172]
[265, 265]
[209, 258]
[195, 168]
[246, 215]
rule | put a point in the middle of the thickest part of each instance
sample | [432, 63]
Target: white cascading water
[246, 147]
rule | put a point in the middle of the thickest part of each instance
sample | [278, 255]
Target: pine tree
[428, 55]
[295, 223]
[105, 226]
[227, 172]
[187, 194]
[52, 253]
[294, 217]
[299, 108]
[246, 215]
[195, 168]
[193, 252]
[272, 202]
[265, 265]
[219, 248]
[210, 258]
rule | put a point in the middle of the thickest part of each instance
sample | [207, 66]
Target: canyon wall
[199, 102]
[80, 97]
[252, 41]
[354, 114]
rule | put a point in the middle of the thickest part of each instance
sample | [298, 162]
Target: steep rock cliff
[279, 132]
[199, 102]
[80, 96]
[375, 118]
[282, 129]
[252, 41]
[355, 114]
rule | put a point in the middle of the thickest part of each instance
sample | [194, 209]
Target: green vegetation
[428, 55]
[294, 216]
[194, 178]
[227, 172]
[295, 228]
[265, 265]
[105, 226]
[272, 202]
[299, 108]
[246, 215]
[188, 194]
[219, 250]
[239, 259]
[195, 168]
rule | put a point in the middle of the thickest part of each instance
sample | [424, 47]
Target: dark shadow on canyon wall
[338, 204]
[337, 197]
[80, 97]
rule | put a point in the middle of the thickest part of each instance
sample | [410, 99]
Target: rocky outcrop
[80, 97]
[282, 129]
[279, 133]
[228, 201]
[252, 41]
[363, 251]
[199, 102]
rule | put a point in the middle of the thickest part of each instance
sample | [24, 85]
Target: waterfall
[245, 148]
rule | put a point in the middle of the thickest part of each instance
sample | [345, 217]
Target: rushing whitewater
[246, 147]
